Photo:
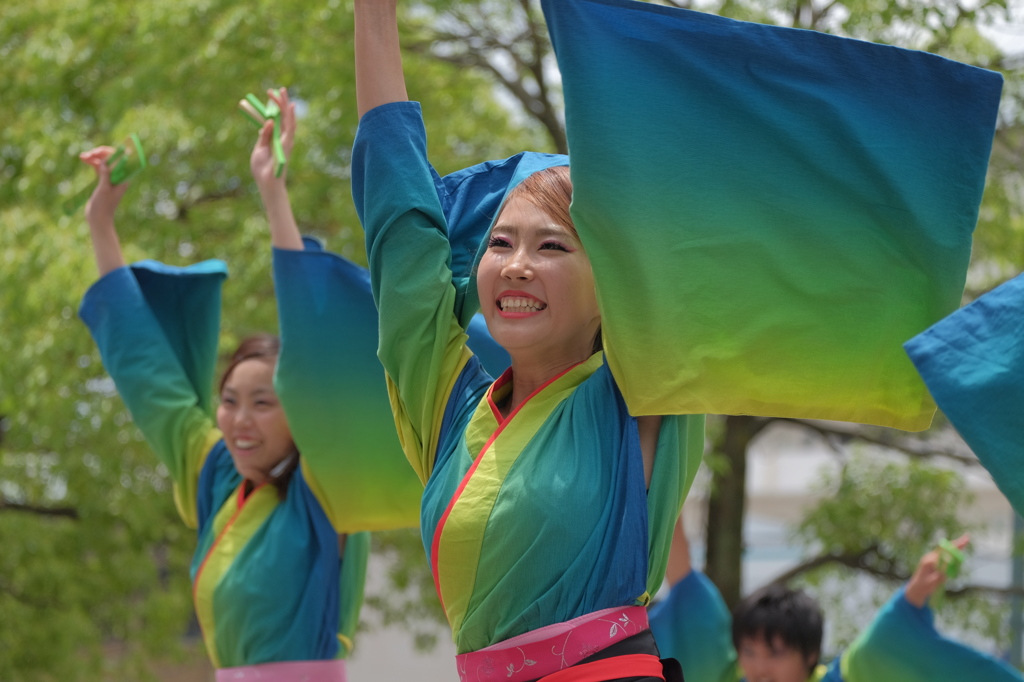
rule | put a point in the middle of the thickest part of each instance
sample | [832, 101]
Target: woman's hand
[929, 577]
[284, 232]
[105, 198]
[262, 160]
[99, 211]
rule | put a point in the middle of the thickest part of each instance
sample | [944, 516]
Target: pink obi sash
[285, 671]
[547, 650]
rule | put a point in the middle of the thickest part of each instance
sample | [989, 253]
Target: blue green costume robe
[529, 520]
[973, 364]
[268, 582]
[695, 318]
[770, 212]
[694, 626]
[331, 386]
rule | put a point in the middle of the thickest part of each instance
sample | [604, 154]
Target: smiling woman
[547, 508]
[535, 284]
[251, 417]
[277, 573]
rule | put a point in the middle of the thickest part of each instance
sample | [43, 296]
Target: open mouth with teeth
[520, 304]
[243, 444]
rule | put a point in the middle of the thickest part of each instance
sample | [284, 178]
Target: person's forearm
[106, 246]
[679, 562]
[284, 232]
[379, 77]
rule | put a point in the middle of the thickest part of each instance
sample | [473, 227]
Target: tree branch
[22, 599]
[985, 589]
[910, 446]
[855, 561]
[818, 16]
[759, 425]
[859, 561]
[68, 512]
[1009, 62]
[184, 208]
[474, 42]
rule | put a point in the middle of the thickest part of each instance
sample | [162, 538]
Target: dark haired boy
[777, 632]
[774, 634]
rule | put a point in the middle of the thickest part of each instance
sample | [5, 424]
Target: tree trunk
[727, 506]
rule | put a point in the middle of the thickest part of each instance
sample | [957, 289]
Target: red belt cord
[616, 667]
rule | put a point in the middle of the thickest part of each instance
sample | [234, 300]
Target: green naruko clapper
[127, 161]
[258, 112]
[951, 559]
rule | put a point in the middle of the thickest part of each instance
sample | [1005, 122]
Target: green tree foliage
[91, 550]
[885, 513]
[879, 517]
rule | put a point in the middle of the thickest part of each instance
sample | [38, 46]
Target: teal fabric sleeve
[694, 626]
[676, 462]
[973, 364]
[902, 645]
[353, 584]
[333, 392]
[422, 344]
[157, 329]
[770, 212]
[186, 303]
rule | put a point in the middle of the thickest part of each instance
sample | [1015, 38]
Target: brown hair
[263, 347]
[550, 190]
[256, 347]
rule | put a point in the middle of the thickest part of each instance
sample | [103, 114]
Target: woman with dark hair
[249, 378]
[277, 577]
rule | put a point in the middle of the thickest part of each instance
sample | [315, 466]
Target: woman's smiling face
[252, 420]
[536, 286]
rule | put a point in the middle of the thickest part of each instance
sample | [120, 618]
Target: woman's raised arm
[379, 77]
[99, 211]
[422, 346]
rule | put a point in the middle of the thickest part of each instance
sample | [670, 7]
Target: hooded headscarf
[471, 199]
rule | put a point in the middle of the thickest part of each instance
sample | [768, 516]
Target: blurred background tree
[91, 550]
